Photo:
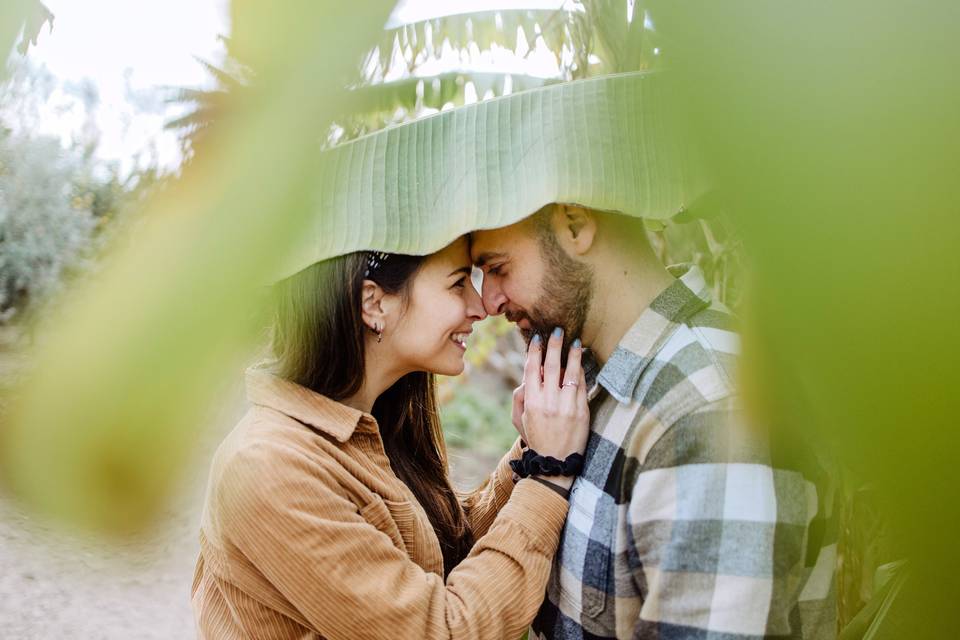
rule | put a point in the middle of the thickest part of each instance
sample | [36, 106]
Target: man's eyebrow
[484, 258]
[465, 270]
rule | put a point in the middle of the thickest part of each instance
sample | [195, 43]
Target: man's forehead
[489, 244]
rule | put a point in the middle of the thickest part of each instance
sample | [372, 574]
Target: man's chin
[529, 331]
[528, 328]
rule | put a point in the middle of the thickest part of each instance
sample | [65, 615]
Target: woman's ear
[371, 305]
[576, 228]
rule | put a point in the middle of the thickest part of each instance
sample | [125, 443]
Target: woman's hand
[554, 416]
[517, 416]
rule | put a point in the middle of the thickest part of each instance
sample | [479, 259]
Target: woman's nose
[475, 309]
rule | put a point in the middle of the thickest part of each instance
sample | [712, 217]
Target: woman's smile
[460, 339]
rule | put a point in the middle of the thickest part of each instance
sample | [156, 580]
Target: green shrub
[478, 420]
[45, 232]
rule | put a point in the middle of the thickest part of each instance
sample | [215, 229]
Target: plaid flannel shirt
[680, 525]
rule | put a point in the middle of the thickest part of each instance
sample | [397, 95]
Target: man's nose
[494, 301]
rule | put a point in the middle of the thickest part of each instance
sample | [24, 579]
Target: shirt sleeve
[484, 503]
[292, 522]
[716, 533]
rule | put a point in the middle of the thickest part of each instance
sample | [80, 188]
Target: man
[681, 525]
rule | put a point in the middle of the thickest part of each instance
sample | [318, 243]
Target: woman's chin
[450, 368]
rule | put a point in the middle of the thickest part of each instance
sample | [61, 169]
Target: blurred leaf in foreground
[97, 433]
[834, 130]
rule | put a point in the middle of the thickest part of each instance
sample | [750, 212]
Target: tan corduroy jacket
[308, 533]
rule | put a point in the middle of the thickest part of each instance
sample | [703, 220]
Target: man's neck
[621, 293]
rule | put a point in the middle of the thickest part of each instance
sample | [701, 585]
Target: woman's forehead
[455, 254]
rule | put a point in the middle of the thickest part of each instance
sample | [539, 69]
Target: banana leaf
[606, 143]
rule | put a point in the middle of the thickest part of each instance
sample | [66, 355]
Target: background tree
[59, 203]
[203, 107]
[45, 231]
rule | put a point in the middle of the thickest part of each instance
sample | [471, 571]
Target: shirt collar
[309, 407]
[686, 296]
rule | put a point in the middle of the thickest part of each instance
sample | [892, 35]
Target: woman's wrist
[561, 484]
[533, 463]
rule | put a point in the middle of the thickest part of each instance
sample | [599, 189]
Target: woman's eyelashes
[459, 284]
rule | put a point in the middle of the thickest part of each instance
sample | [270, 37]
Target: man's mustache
[517, 316]
[537, 328]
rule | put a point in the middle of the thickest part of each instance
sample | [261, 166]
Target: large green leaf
[832, 129]
[607, 143]
[100, 430]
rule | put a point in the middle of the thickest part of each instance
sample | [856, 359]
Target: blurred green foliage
[97, 432]
[833, 129]
[478, 420]
[476, 406]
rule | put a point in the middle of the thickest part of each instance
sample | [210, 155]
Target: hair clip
[375, 260]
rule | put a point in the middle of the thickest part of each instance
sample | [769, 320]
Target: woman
[329, 512]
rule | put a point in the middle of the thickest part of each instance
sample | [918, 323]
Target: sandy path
[54, 587]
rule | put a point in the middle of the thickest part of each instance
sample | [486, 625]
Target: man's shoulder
[686, 398]
[716, 331]
[695, 365]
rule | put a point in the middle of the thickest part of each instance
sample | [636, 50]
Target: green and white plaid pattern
[681, 526]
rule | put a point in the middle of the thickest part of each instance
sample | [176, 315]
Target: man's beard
[564, 301]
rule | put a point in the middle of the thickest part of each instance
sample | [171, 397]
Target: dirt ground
[56, 586]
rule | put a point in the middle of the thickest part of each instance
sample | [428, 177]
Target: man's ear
[576, 228]
[371, 305]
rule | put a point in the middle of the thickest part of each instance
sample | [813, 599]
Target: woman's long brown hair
[318, 342]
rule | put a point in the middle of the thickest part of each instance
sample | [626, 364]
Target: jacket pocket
[585, 558]
[409, 528]
[389, 518]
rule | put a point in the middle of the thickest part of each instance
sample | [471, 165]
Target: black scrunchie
[534, 464]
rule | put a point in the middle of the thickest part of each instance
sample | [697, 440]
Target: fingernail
[535, 339]
[557, 332]
[576, 343]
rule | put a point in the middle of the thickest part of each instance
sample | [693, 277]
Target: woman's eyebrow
[465, 270]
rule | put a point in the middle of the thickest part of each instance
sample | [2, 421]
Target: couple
[329, 511]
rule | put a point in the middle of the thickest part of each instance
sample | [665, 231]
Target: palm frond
[434, 92]
[224, 78]
[39, 15]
